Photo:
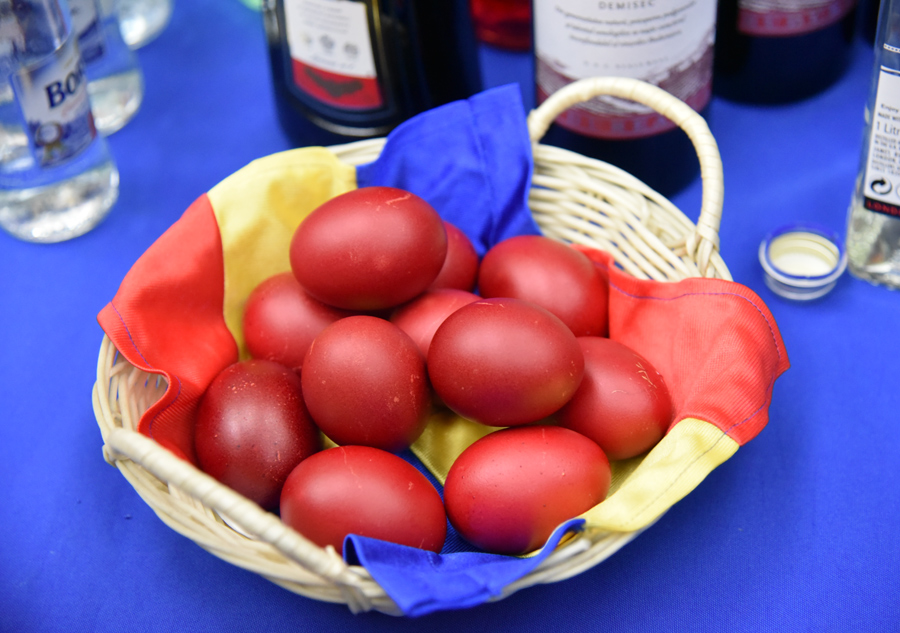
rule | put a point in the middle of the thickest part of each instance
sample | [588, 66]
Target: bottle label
[88, 29]
[331, 52]
[785, 18]
[668, 43]
[881, 188]
[55, 106]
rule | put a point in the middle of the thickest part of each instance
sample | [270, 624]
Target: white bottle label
[881, 189]
[55, 106]
[785, 18]
[88, 29]
[332, 54]
[668, 43]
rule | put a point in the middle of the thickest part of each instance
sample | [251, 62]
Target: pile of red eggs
[387, 316]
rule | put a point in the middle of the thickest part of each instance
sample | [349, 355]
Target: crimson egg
[364, 382]
[281, 320]
[460, 269]
[365, 491]
[504, 362]
[252, 429]
[551, 274]
[421, 317]
[508, 491]
[369, 249]
[623, 402]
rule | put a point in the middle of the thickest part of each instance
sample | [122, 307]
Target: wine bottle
[349, 69]
[664, 42]
[778, 51]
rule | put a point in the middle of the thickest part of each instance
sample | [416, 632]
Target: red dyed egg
[252, 429]
[550, 274]
[508, 491]
[281, 320]
[365, 491]
[460, 269]
[504, 362]
[421, 317]
[369, 249]
[623, 403]
[364, 382]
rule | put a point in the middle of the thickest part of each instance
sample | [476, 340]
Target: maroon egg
[460, 269]
[369, 249]
[252, 429]
[365, 491]
[281, 320]
[623, 403]
[421, 317]
[504, 362]
[364, 383]
[550, 274]
[508, 491]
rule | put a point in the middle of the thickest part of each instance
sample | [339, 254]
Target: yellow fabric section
[649, 486]
[444, 439]
[258, 209]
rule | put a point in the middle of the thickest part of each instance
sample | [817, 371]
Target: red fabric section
[161, 318]
[714, 341]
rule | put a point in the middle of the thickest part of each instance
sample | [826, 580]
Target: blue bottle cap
[802, 261]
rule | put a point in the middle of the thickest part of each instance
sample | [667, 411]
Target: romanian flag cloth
[178, 314]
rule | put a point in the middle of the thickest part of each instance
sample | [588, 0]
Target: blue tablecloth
[796, 532]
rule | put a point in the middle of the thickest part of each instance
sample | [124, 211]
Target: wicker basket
[574, 199]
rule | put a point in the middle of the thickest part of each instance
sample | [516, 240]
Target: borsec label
[53, 98]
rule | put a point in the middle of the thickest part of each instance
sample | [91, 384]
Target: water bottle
[873, 232]
[57, 178]
[116, 83]
[142, 20]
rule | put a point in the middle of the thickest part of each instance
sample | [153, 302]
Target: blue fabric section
[471, 160]
[422, 582]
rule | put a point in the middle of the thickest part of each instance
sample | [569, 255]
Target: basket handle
[704, 241]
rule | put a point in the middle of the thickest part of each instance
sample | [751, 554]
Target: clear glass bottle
[116, 83]
[873, 232]
[141, 21]
[57, 178]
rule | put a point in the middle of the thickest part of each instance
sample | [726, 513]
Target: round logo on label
[881, 186]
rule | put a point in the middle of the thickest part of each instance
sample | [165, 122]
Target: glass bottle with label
[778, 51]
[57, 178]
[350, 69]
[116, 83]
[668, 43]
[873, 232]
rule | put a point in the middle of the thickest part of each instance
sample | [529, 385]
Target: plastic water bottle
[873, 232]
[142, 20]
[116, 83]
[57, 178]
